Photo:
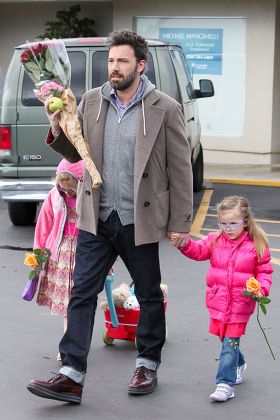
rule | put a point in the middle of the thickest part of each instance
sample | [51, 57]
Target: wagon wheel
[107, 340]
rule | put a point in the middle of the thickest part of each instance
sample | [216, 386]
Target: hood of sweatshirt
[146, 88]
[75, 169]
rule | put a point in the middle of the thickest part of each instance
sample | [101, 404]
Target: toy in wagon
[47, 64]
[121, 311]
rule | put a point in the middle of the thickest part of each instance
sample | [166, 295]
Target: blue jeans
[230, 358]
[95, 255]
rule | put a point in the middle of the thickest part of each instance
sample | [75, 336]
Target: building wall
[262, 80]
[21, 21]
[26, 20]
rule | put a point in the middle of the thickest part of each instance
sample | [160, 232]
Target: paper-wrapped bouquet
[47, 64]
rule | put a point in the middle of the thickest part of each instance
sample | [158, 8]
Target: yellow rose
[30, 260]
[253, 285]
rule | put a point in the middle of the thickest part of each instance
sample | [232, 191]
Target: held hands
[178, 239]
[53, 118]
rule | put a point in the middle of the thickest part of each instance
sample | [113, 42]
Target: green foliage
[68, 25]
[42, 256]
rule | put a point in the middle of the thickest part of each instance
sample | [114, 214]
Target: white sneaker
[239, 374]
[223, 393]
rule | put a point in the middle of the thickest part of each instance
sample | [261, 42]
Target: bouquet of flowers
[253, 290]
[35, 260]
[48, 65]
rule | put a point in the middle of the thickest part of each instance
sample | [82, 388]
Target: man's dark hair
[126, 37]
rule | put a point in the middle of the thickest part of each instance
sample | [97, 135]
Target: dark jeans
[95, 256]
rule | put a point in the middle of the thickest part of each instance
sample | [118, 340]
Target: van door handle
[191, 119]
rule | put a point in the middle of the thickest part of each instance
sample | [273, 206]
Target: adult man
[138, 143]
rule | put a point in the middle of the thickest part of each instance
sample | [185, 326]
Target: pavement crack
[15, 248]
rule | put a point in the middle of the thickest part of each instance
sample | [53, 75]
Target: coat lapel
[153, 121]
[95, 129]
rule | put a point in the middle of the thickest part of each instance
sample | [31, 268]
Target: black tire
[198, 172]
[22, 213]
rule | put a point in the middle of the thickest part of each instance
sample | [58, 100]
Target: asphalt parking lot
[265, 205]
[30, 336]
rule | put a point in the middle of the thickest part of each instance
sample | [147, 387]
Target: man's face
[123, 68]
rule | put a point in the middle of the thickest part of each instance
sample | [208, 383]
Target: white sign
[215, 49]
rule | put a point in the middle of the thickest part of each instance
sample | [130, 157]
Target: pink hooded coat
[52, 216]
[232, 263]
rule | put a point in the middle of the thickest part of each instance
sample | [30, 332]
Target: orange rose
[30, 260]
[253, 285]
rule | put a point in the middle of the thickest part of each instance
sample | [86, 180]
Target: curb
[256, 182]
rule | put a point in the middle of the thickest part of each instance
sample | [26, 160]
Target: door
[187, 97]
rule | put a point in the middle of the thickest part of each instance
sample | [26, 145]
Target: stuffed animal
[131, 303]
[120, 294]
[124, 297]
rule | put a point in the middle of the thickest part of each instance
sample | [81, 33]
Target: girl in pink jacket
[237, 252]
[56, 229]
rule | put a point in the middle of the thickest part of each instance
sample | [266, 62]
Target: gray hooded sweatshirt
[117, 191]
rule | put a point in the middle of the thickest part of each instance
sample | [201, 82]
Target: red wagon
[127, 324]
[120, 323]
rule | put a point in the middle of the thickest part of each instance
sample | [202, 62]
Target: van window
[78, 83]
[168, 81]
[183, 74]
[100, 68]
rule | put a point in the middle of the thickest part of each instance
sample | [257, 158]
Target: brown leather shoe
[60, 388]
[143, 381]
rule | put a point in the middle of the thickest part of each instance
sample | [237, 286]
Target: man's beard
[126, 82]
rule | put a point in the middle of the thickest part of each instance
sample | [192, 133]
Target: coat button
[145, 175]
[146, 204]
[88, 192]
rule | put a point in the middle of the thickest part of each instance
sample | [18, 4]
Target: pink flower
[49, 88]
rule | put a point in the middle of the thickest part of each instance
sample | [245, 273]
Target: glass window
[181, 70]
[78, 77]
[100, 68]
[168, 80]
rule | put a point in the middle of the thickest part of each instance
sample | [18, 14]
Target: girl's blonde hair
[256, 232]
[65, 176]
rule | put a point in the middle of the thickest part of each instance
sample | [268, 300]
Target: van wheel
[198, 172]
[22, 213]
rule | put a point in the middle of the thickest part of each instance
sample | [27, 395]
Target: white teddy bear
[131, 303]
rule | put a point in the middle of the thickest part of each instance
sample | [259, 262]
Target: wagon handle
[108, 289]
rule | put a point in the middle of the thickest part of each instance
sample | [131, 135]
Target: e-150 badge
[32, 157]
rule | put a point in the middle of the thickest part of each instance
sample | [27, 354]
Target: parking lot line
[256, 182]
[201, 213]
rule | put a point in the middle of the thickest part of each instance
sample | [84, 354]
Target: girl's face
[67, 187]
[231, 223]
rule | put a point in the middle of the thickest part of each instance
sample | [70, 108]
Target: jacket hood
[75, 169]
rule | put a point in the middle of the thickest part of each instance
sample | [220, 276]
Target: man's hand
[53, 118]
[178, 239]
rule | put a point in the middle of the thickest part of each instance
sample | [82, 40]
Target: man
[138, 143]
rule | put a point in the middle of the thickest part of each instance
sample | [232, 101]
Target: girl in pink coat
[238, 251]
[56, 229]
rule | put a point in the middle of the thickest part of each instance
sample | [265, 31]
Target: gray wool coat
[163, 186]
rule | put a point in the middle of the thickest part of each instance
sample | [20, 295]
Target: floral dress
[56, 281]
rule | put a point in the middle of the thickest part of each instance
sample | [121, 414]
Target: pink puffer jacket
[53, 214]
[232, 263]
